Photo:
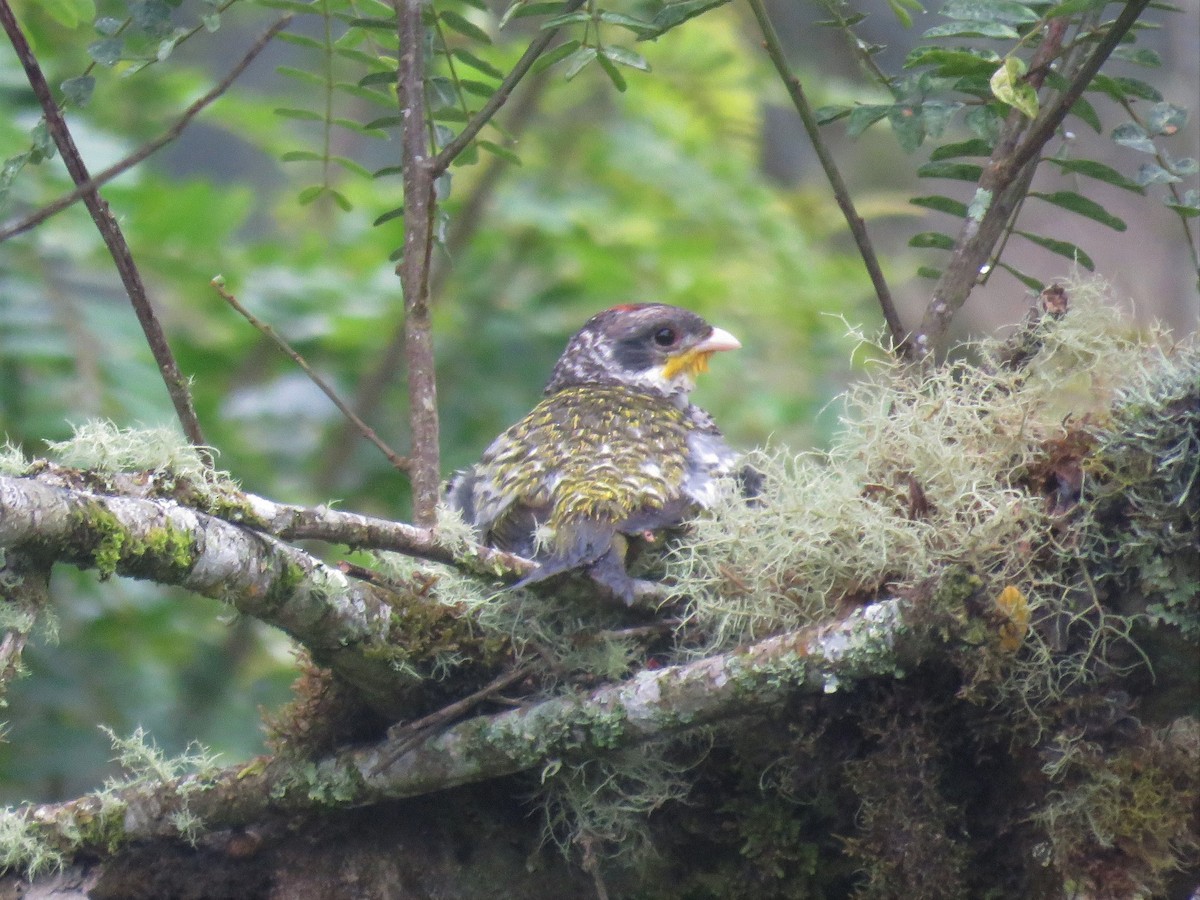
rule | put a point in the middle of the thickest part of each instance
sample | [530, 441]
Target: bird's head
[650, 346]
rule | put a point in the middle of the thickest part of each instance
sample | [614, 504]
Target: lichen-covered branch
[1007, 175]
[348, 625]
[875, 641]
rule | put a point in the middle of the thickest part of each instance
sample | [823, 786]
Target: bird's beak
[694, 360]
[720, 339]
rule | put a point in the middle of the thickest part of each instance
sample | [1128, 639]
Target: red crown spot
[627, 307]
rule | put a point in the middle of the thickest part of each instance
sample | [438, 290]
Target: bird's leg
[609, 572]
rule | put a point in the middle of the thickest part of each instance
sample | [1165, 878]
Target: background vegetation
[690, 186]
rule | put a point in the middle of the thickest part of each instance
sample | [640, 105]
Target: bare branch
[841, 193]
[110, 231]
[149, 149]
[266, 330]
[463, 226]
[1007, 176]
[420, 206]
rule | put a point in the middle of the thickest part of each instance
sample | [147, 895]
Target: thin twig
[463, 226]
[110, 231]
[841, 193]
[266, 330]
[1005, 180]
[419, 209]
[40, 215]
[409, 734]
[499, 97]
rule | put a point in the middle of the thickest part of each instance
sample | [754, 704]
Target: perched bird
[615, 449]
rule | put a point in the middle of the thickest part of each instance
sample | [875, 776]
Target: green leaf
[1189, 205]
[929, 272]
[303, 75]
[389, 78]
[984, 122]
[559, 53]
[440, 92]
[385, 122]
[301, 40]
[1028, 280]
[1084, 110]
[908, 126]
[578, 17]
[448, 114]
[306, 115]
[957, 171]
[1153, 173]
[637, 26]
[1007, 11]
[1062, 248]
[1008, 86]
[974, 29]
[613, 73]
[1071, 7]
[301, 156]
[1139, 56]
[932, 239]
[502, 152]
[674, 14]
[464, 26]
[78, 90]
[864, 116]
[309, 194]
[1166, 119]
[1185, 166]
[479, 65]
[106, 52]
[577, 60]
[1077, 203]
[1123, 88]
[972, 147]
[1133, 136]
[351, 166]
[903, 10]
[69, 13]
[520, 10]
[340, 199]
[369, 24]
[304, 7]
[941, 204]
[936, 115]
[377, 97]
[953, 63]
[389, 215]
[623, 57]
[1099, 171]
[826, 114]
[478, 88]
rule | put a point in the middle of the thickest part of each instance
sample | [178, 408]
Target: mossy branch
[347, 624]
[876, 640]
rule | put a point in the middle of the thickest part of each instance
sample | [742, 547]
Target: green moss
[106, 543]
[1123, 820]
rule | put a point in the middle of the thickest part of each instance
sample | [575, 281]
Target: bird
[614, 450]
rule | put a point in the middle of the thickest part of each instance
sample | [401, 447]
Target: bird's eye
[665, 337]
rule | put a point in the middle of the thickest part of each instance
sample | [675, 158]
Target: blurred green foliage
[651, 194]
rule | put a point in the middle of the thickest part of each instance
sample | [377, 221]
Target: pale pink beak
[720, 339]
